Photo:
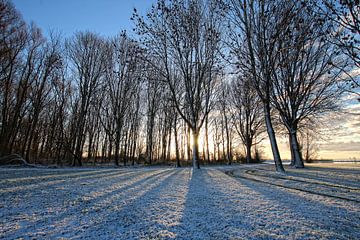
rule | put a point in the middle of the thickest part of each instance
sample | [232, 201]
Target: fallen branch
[15, 159]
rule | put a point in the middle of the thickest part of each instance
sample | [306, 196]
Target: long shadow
[135, 219]
[324, 176]
[207, 214]
[13, 202]
[304, 194]
[219, 207]
[78, 207]
[87, 182]
[50, 178]
[313, 213]
[133, 186]
[19, 175]
[334, 169]
[159, 210]
[21, 189]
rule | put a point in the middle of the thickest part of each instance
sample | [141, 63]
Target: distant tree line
[223, 72]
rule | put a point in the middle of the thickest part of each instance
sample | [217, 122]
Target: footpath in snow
[168, 203]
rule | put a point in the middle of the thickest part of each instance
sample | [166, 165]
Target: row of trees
[229, 71]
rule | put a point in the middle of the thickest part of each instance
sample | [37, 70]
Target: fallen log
[15, 159]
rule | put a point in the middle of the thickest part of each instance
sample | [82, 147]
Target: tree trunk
[110, 149]
[177, 154]
[207, 139]
[274, 147]
[307, 153]
[28, 141]
[78, 153]
[224, 157]
[292, 163]
[248, 152]
[195, 149]
[214, 153]
[188, 145]
[79, 143]
[117, 149]
[149, 147]
[228, 149]
[125, 149]
[164, 142]
[298, 161]
[90, 146]
[168, 154]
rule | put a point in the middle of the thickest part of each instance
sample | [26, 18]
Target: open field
[253, 202]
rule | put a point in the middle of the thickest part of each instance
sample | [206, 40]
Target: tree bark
[292, 162]
[298, 161]
[195, 150]
[274, 147]
[248, 152]
[188, 145]
[177, 154]
[207, 139]
[228, 149]
[117, 148]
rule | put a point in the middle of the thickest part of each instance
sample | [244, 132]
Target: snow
[170, 203]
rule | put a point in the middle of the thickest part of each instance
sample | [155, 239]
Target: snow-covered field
[239, 202]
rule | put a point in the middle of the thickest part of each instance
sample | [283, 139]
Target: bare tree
[31, 69]
[87, 60]
[56, 143]
[153, 89]
[13, 40]
[123, 75]
[343, 18]
[256, 26]
[308, 145]
[47, 69]
[22, 79]
[247, 115]
[177, 144]
[185, 37]
[225, 113]
[305, 79]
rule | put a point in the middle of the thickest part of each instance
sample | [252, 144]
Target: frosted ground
[252, 202]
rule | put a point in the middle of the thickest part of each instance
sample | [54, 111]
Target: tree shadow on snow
[78, 204]
[313, 216]
[142, 216]
[207, 214]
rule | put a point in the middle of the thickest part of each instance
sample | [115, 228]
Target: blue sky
[106, 17]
